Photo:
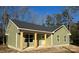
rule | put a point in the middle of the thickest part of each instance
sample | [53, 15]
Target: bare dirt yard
[63, 49]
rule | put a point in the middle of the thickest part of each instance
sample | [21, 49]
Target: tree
[5, 19]
[58, 19]
[24, 14]
[78, 25]
[54, 20]
[19, 14]
[5, 15]
[69, 14]
[75, 33]
[49, 21]
[34, 17]
[67, 18]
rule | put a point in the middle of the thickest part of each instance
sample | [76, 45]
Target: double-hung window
[29, 38]
[57, 37]
[64, 38]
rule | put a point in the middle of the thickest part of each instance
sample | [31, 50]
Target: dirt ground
[5, 49]
[63, 49]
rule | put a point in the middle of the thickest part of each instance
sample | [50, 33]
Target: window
[57, 37]
[29, 38]
[64, 38]
[26, 38]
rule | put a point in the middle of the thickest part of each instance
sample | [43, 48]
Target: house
[22, 35]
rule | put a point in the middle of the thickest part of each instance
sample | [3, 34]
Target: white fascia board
[57, 29]
[33, 30]
[65, 28]
[7, 26]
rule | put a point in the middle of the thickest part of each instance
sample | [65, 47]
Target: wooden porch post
[45, 36]
[21, 40]
[35, 40]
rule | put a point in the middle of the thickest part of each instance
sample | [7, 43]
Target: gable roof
[33, 27]
[25, 25]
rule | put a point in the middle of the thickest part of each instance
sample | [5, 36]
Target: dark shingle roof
[22, 24]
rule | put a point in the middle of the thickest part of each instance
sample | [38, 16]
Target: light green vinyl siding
[11, 31]
[48, 40]
[61, 32]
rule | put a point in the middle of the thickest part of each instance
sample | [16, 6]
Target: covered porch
[33, 39]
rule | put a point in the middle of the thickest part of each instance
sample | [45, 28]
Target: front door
[29, 40]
